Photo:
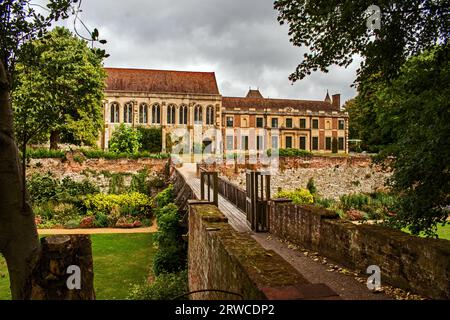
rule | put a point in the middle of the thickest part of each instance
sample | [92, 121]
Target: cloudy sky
[240, 40]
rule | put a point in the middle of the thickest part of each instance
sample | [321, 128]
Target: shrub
[325, 202]
[151, 139]
[112, 205]
[165, 197]
[165, 287]
[139, 182]
[125, 140]
[109, 155]
[43, 188]
[42, 153]
[311, 186]
[168, 259]
[298, 196]
[291, 152]
[101, 221]
[354, 201]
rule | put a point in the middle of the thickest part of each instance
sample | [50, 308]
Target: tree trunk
[18, 234]
[54, 140]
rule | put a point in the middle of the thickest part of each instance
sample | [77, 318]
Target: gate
[209, 179]
[257, 200]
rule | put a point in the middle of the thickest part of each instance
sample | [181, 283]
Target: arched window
[198, 115]
[128, 112]
[210, 115]
[171, 114]
[143, 113]
[114, 109]
[156, 114]
[183, 116]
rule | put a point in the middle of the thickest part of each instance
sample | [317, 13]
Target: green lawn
[120, 260]
[443, 232]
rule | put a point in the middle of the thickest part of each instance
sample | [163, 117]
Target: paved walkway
[236, 217]
[347, 286]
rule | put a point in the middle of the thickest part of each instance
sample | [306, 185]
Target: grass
[120, 260]
[443, 232]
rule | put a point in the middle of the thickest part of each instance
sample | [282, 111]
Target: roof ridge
[158, 70]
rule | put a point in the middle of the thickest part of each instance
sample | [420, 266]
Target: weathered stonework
[221, 258]
[417, 264]
[333, 176]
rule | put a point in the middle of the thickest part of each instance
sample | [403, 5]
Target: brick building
[189, 104]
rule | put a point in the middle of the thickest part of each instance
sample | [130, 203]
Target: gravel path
[347, 286]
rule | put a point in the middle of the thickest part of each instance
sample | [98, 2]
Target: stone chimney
[336, 102]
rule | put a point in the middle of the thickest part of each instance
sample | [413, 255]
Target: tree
[363, 111]
[125, 140]
[416, 110]
[19, 242]
[334, 31]
[59, 79]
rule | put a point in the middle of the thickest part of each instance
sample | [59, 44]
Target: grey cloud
[240, 40]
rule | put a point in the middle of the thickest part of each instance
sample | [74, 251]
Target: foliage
[298, 196]
[48, 97]
[324, 202]
[166, 286]
[363, 111]
[140, 182]
[311, 186]
[354, 201]
[151, 139]
[117, 205]
[416, 112]
[45, 153]
[172, 249]
[333, 32]
[96, 154]
[44, 188]
[376, 205]
[291, 152]
[116, 183]
[125, 139]
[165, 197]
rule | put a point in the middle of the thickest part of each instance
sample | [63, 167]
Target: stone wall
[221, 258]
[60, 167]
[333, 176]
[417, 264]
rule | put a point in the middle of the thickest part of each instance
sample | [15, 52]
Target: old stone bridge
[241, 241]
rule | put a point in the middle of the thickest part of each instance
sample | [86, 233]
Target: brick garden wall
[413, 263]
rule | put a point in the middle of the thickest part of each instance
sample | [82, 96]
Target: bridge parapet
[221, 258]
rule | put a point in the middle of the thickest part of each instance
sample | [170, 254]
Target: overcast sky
[240, 40]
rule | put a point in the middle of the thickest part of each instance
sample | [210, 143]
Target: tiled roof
[161, 81]
[254, 94]
[274, 104]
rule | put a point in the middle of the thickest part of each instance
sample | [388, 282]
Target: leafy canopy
[334, 31]
[59, 86]
[415, 109]
[125, 139]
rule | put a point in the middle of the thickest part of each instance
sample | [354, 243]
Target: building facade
[189, 105]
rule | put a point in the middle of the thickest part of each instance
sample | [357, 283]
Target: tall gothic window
[210, 115]
[198, 115]
[183, 116]
[114, 112]
[128, 112]
[171, 114]
[143, 113]
[156, 114]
